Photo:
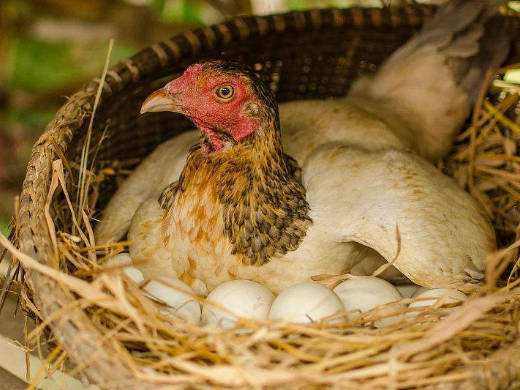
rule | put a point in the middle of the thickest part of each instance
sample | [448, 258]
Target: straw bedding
[105, 328]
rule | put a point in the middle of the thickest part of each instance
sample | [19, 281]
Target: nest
[116, 337]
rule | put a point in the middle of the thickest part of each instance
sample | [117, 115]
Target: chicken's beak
[158, 101]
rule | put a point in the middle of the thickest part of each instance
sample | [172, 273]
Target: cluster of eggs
[305, 302]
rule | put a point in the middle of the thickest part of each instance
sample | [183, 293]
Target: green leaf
[191, 12]
[173, 11]
[183, 11]
[296, 4]
[4, 227]
[158, 6]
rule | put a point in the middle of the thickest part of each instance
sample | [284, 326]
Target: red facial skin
[195, 94]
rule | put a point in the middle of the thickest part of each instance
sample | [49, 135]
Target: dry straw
[467, 345]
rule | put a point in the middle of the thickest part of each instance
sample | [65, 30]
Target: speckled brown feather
[253, 188]
[168, 195]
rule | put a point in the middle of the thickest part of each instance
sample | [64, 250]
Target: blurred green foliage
[31, 117]
[180, 11]
[304, 4]
[36, 65]
[4, 228]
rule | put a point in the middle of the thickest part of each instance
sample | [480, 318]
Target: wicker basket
[311, 54]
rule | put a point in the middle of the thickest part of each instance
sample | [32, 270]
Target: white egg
[237, 298]
[121, 260]
[364, 293]
[179, 298]
[305, 303]
[407, 290]
[430, 297]
[134, 274]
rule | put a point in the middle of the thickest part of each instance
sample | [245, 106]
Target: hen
[344, 181]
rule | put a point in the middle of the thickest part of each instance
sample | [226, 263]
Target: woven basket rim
[31, 227]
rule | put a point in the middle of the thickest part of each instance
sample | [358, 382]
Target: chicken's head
[225, 100]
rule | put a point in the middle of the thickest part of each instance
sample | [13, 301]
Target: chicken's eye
[225, 92]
